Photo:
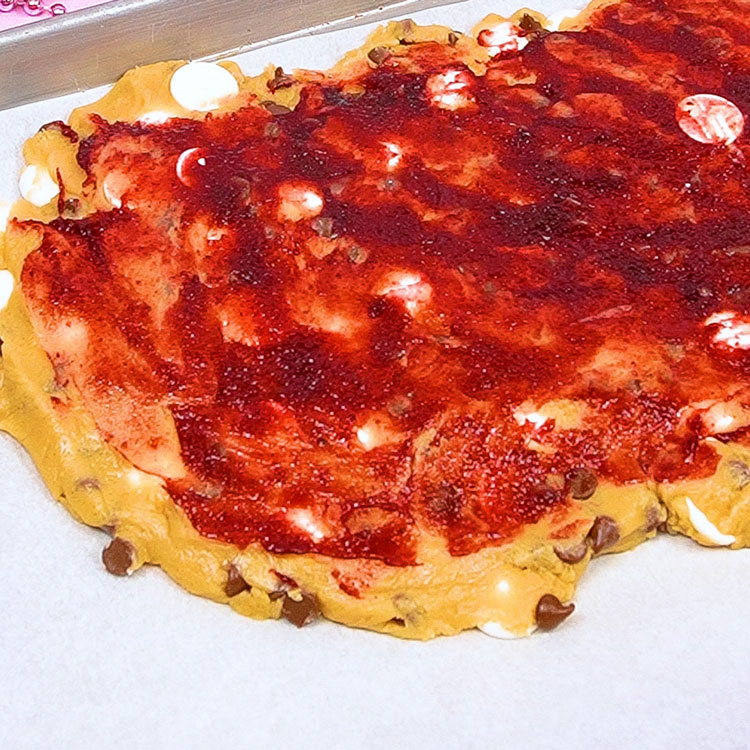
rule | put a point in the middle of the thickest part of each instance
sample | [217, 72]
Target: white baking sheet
[656, 655]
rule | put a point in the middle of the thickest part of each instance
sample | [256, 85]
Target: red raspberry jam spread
[333, 329]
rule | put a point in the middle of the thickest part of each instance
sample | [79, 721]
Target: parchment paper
[655, 656]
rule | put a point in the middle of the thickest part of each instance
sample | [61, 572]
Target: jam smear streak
[334, 328]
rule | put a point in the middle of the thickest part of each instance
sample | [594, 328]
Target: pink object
[17, 17]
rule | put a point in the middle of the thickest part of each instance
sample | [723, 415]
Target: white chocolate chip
[184, 161]
[304, 520]
[37, 186]
[505, 37]
[376, 431]
[704, 527]
[156, 117]
[394, 155]
[708, 118]
[297, 202]
[496, 630]
[725, 416]
[408, 287]
[719, 317]
[523, 416]
[731, 329]
[555, 20]
[450, 90]
[135, 477]
[112, 190]
[4, 215]
[6, 287]
[366, 437]
[202, 86]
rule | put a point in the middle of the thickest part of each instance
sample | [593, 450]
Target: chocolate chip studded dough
[403, 344]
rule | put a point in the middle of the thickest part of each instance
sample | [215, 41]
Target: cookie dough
[505, 589]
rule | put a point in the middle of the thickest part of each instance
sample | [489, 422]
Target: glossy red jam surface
[351, 312]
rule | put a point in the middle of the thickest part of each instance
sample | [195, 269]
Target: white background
[655, 656]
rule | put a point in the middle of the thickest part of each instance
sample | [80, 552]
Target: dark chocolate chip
[280, 80]
[635, 387]
[653, 518]
[445, 501]
[209, 490]
[529, 23]
[573, 554]
[337, 187]
[323, 225]
[62, 128]
[309, 124]
[554, 481]
[390, 184]
[69, 207]
[118, 556]
[399, 406]
[379, 55]
[550, 612]
[582, 484]
[275, 109]
[239, 188]
[89, 483]
[603, 534]
[357, 254]
[235, 583]
[675, 351]
[740, 472]
[411, 612]
[302, 612]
